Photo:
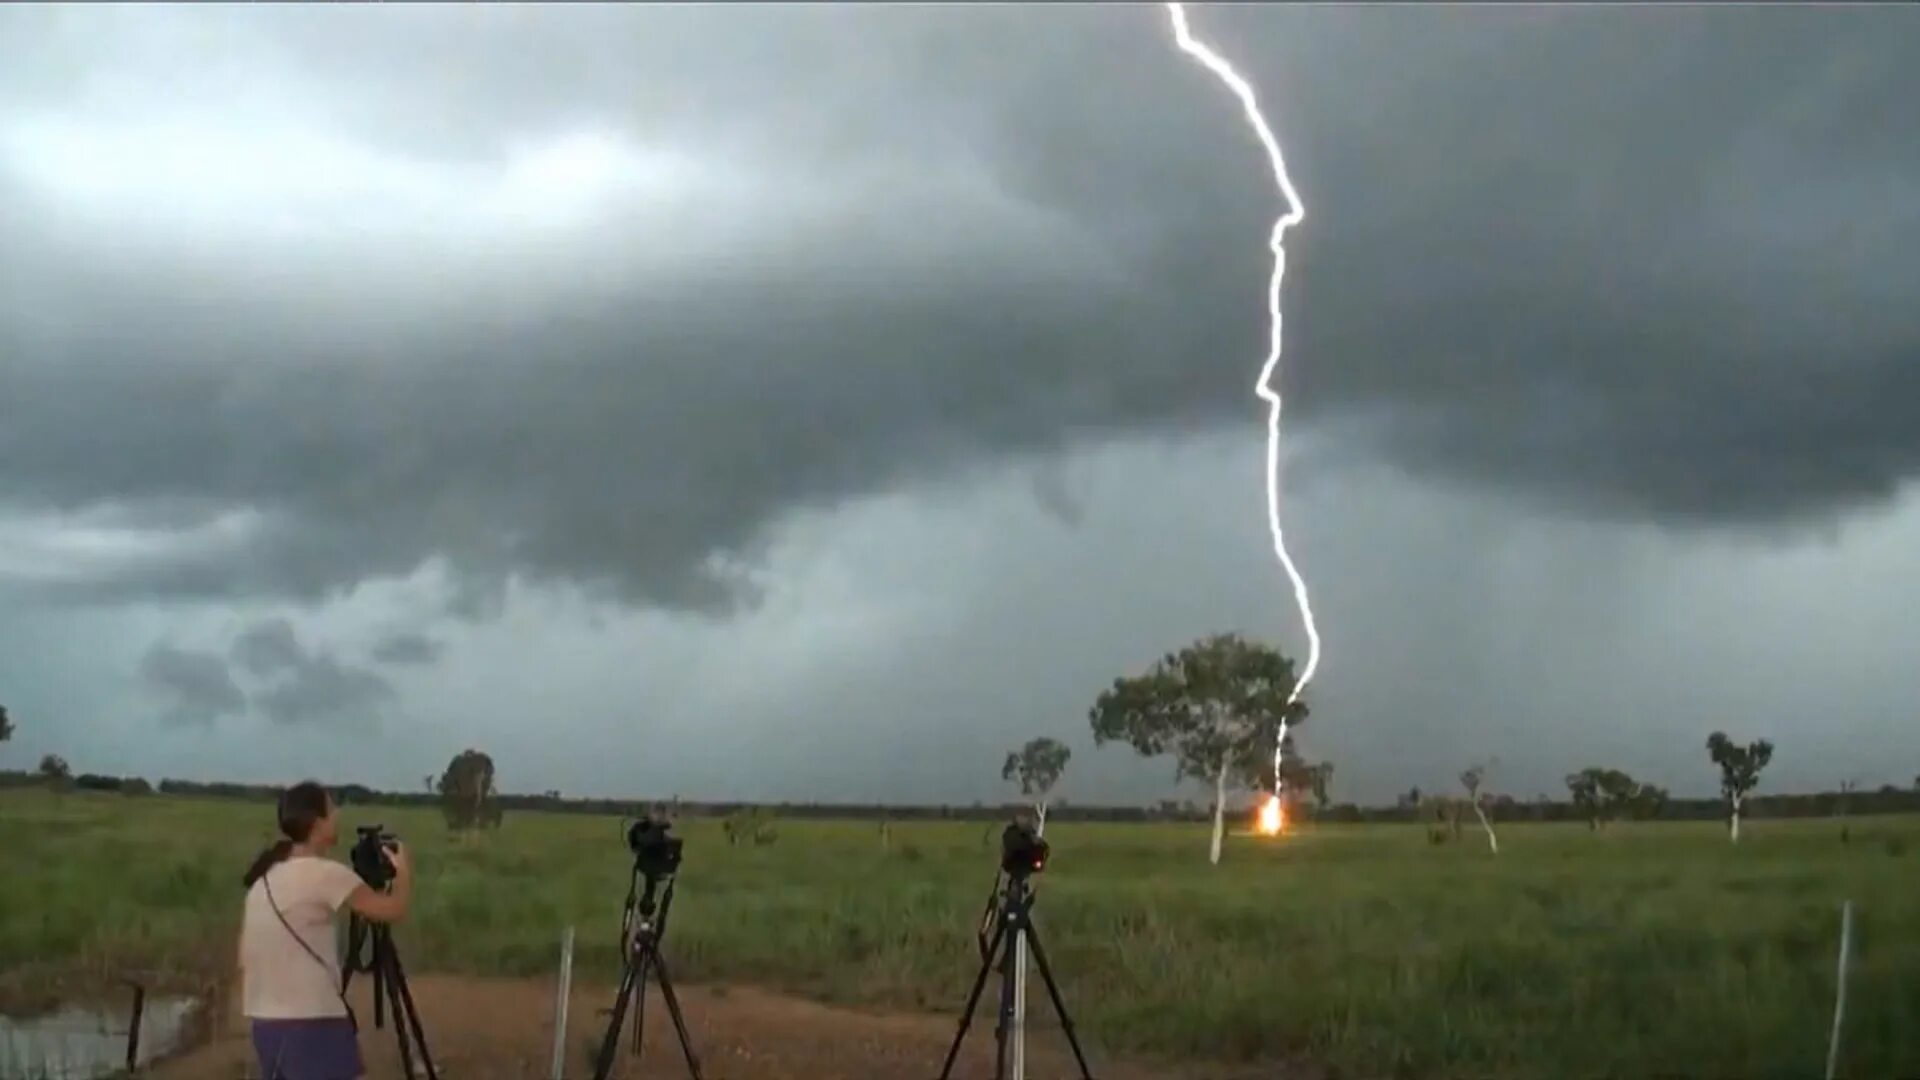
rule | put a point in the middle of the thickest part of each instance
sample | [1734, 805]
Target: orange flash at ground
[1272, 818]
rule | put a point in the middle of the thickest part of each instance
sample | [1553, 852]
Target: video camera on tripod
[656, 851]
[656, 859]
[371, 952]
[1006, 923]
[1022, 850]
[369, 855]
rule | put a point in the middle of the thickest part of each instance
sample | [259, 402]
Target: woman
[289, 957]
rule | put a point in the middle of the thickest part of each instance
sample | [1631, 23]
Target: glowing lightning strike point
[1296, 211]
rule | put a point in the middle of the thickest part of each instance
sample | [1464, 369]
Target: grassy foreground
[1647, 950]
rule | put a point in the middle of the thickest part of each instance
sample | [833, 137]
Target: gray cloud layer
[294, 684]
[407, 647]
[198, 686]
[1645, 263]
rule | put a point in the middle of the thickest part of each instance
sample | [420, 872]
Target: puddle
[78, 1043]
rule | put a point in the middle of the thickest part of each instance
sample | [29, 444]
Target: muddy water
[82, 1043]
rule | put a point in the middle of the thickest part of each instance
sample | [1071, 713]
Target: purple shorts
[323, 1048]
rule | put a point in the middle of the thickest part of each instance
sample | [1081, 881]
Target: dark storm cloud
[408, 647]
[197, 686]
[268, 647]
[1644, 262]
[294, 684]
[325, 689]
[303, 684]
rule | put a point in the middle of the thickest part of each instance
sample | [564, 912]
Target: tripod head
[1009, 902]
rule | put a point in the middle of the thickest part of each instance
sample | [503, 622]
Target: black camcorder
[656, 851]
[368, 855]
[1022, 851]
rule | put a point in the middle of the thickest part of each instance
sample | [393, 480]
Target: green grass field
[1646, 950]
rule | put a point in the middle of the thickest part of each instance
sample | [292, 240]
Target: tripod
[389, 986]
[640, 933]
[1014, 923]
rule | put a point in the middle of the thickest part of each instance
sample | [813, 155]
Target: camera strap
[308, 949]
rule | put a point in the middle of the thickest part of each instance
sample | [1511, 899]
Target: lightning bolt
[1295, 212]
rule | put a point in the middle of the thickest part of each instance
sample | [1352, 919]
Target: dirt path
[501, 1028]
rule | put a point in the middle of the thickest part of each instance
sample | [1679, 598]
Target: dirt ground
[501, 1028]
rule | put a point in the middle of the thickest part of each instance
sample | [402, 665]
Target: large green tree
[1604, 794]
[1037, 766]
[467, 795]
[1216, 706]
[1739, 773]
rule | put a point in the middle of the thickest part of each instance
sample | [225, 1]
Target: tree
[1442, 815]
[1037, 766]
[55, 770]
[1583, 788]
[1217, 706]
[749, 824]
[1648, 801]
[1740, 768]
[1600, 795]
[1474, 779]
[1320, 780]
[467, 795]
[1297, 778]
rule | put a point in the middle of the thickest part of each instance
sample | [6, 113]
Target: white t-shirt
[280, 980]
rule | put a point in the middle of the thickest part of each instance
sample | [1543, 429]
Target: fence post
[133, 1030]
[560, 1006]
[1840, 993]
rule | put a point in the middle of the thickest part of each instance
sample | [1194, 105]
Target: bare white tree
[1474, 780]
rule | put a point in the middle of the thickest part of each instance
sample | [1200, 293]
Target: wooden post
[560, 1007]
[1840, 992]
[133, 1030]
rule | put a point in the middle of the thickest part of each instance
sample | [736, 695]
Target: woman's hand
[390, 905]
[399, 858]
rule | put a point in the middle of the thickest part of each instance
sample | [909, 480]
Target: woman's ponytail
[267, 860]
[301, 807]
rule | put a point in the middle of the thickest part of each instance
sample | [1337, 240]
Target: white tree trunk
[1733, 822]
[1493, 843]
[1219, 811]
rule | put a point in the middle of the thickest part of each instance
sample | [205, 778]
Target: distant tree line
[1886, 800]
[1229, 683]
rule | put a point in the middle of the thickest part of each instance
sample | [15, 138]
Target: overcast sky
[814, 402]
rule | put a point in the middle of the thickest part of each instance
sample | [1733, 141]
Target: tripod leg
[1059, 1006]
[603, 1068]
[973, 1000]
[404, 1012]
[640, 1001]
[673, 1010]
[384, 974]
[379, 981]
[1003, 1028]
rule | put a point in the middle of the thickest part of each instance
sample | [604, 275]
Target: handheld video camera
[368, 858]
[1022, 851]
[656, 851]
